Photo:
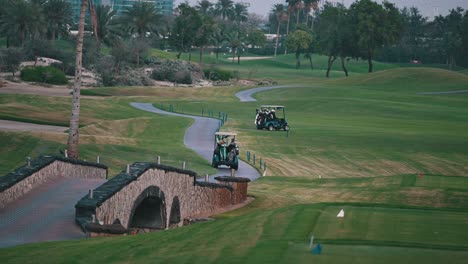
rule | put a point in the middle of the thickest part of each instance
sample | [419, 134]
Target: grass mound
[414, 79]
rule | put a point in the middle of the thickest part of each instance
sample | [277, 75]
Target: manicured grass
[360, 126]
[112, 129]
[266, 236]
[399, 190]
[17, 146]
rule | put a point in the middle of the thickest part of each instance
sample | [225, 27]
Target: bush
[47, 74]
[10, 59]
[216, 74]
[177, 71]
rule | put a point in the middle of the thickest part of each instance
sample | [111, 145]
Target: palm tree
[104, 16]
[232, 39]
[299, 6]
[217, 38]
[73, 134]
[310, 5]
[224, 8]
[279, 12]
[291, 7]
[22, 19]
[58, 16]
[141, 18]
[205, 7]
[239, 14]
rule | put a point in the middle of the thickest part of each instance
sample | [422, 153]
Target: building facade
[165, 7]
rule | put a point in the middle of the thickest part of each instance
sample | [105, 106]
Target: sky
[429, 8]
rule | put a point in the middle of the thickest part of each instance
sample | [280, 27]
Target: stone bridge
[149, 195]
[43, 169]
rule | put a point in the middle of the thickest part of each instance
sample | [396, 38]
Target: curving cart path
[200, 138]
[246, 95]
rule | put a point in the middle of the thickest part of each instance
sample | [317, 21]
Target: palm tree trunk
[53, 36]
[201, 54]
[289, 19]
[190, 53]
[310, 61]
[277, 38]
[233, 54]
[331, 59]
[369, 60]
[297, 17]
[298, 60]
[73, 136]
[344, 66]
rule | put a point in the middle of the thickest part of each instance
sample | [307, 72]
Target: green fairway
[117, 132]
[280, 236]
[392, 158]
[386, 225]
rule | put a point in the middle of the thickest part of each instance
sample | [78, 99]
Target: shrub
[47, 74]
[216, 74]
[10, 59]
[177, 71]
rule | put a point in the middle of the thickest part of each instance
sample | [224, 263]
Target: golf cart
[267, 117]
[226, 150]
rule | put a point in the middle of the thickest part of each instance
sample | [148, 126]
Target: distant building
[164, 6]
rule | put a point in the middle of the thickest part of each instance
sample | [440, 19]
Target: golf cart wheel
[286, 128]
[270, 127]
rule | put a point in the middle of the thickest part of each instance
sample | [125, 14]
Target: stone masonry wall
[53, 170]
[193, 199]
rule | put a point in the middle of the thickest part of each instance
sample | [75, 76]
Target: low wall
[45, 168]
[114, 200]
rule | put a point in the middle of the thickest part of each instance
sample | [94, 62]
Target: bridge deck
[46, 213]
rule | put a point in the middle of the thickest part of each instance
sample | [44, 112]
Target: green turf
[361, 140]
[279, 236]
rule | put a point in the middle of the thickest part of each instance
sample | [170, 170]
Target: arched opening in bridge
[174, 217]
[149, 209]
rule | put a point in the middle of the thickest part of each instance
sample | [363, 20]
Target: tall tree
[22, 19]
[58, 16]
[224, 8]
[239, 14]
[205, 7]
[204, 33]
[104, 15]
[376, 25]
[298, 41]
[291, 8]
[185, 28]
[73, 133]
[141, 18]
[280, 13]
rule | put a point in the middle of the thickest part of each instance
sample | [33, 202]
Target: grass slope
[275, 236]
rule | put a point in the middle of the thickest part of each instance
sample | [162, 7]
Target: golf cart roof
[273, 106]
[226, 134]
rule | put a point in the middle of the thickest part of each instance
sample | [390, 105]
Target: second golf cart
[271, 117]
[226, 150]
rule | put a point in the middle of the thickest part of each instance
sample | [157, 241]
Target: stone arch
[149, 210]
[174, 218]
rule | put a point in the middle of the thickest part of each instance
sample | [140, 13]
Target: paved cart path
[246, 95]
[200, 138]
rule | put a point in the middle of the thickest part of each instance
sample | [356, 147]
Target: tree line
[365, 30]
